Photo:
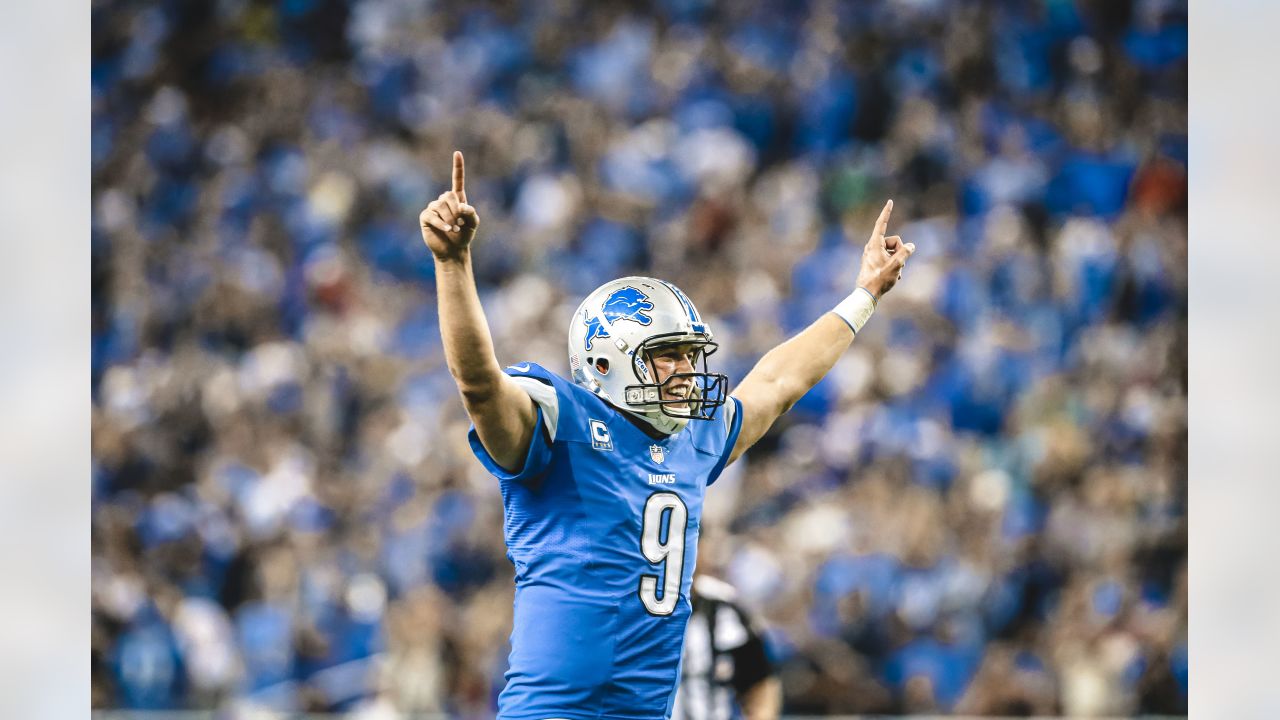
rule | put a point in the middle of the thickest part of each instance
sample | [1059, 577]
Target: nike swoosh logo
[519, 368]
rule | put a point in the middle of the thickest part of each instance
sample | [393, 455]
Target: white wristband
[856, 309]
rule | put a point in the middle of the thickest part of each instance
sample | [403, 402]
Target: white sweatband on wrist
[856, 309]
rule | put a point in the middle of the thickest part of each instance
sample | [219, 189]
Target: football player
[602, 474]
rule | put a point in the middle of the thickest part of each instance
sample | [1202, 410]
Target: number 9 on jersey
[659, 547]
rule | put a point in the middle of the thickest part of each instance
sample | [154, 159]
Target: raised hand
[449, 223]
[883, 257]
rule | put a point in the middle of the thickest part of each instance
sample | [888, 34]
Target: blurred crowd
[981, 510]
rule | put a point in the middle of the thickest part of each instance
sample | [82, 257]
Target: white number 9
[656, 550]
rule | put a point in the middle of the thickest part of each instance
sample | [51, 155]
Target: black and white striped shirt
[724, 655]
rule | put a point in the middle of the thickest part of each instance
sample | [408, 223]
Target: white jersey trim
[545, 396]
[730, 408]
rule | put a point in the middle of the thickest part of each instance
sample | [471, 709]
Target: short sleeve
[536, 459]
[538, 383]
[733, 422]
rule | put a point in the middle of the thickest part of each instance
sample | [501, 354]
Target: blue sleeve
[734, 428]
[550, 400]
[536, 459]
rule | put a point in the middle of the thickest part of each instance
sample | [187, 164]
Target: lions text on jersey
[601, 523]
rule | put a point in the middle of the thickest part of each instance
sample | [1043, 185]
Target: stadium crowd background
[980, 510]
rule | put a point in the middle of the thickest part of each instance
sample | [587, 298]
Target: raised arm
[789, 370]
[504, 415]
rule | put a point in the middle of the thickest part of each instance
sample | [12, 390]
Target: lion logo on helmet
[626, 303]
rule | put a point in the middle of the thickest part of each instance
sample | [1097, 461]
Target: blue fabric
[584, 644]
[735, 428]
[536, 458]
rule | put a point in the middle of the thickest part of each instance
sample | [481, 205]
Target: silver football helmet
[612, 338]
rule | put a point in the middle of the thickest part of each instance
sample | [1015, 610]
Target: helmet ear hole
[602, 365]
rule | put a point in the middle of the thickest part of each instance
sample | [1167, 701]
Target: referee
[725, 671]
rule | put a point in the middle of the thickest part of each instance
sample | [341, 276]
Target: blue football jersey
[601, 524]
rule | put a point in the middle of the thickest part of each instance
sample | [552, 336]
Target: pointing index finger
[459, 175]
[882, 224]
